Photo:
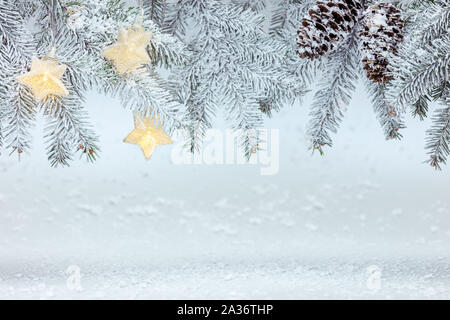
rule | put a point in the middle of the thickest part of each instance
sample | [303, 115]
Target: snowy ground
[139, 229]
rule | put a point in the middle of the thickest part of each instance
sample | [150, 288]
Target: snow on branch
[389, 116]
[438, 137]
[334, 93]
[19, 118]
[234, 65]
[418, 75]
[68, 131]
[436, 19]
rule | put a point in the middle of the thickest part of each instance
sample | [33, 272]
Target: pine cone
[328, 24]
[380, 38]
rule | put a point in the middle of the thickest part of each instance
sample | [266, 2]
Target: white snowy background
[153, 229]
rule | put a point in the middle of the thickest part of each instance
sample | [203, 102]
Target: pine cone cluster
[380, 37]
[328, 24]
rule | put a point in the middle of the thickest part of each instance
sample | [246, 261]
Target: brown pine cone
[328, 24]
[380, 38]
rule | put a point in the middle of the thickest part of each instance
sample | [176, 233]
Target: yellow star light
[147, 134]
[44, 78]
[130, 50]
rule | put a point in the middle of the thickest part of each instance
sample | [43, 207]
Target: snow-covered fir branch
[438, 136]
[16, 110]
[154, 9]
[339, 62]
[234, 66]
[422, 72]
[390, 117]
[423, 60]
[334, 94]
[437, 21]
[18, 117]
[67, 130]
[283, 27]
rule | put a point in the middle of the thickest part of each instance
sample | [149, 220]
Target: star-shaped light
[130, 50]
[147, 134]
[44, 78]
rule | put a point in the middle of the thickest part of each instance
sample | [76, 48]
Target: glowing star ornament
[130, 50]
[147, 134]
[44, 78]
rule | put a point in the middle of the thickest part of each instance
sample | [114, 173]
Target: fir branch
[16, 43]
[249, 124]
[288, 12]
[418, 76]
[334, 94]
[155, 10]
[59, 149]
[175, 18]
[200, 110]
[68, 131]
[16, 46]
[388, 115]
[247, 120]
[439, 91]
[438, 138]
[420, 107]
[423, 61]
[280, 13]
[438, 21]
[297, 73]
[19, 119]
[255, 5]
[233, 63]
[166, 50]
